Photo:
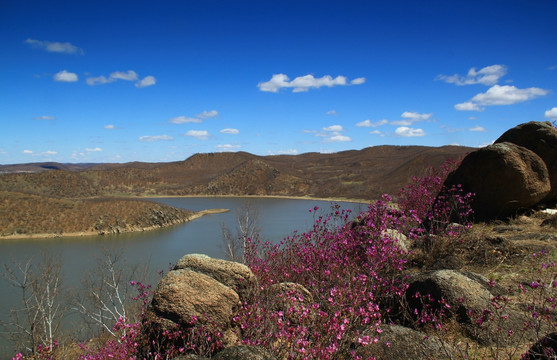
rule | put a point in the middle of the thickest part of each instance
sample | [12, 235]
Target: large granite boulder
[236, 276]
[200, 291]
[541, 138]
[184, 294]
[504, 178]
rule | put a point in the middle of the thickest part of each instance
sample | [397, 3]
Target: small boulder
[541, 138]
[450, 291]
[402, 343]
[244, 352]
[504, 178]
[469, 302]
[294, 300]
[544, 349]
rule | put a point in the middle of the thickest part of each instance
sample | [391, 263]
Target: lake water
[277, 218]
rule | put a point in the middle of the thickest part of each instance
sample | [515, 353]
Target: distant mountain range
[356, 174]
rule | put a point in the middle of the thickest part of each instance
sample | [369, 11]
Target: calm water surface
[277, 218]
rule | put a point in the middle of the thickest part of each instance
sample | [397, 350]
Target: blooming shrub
[351, 269]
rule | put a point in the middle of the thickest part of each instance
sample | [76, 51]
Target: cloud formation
[501, 95]
[198, 134]
[488, 75]
[228, 147]
[306, 82]
[208, 114]
[184, 120]
[96, 149]
[65, 76]
[333, 134]
[45, 117]
[44, 153]
[230, 131]
[55, 47]
[551, 114]
[477, 129]
[129, 75]
[409, 132]
[156, 138]
[197, 119]
[368, 123]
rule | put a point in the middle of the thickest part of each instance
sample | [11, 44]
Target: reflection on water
[277, 218]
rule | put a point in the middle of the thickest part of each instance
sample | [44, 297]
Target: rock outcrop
[504, 178]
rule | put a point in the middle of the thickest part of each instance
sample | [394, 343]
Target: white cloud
[45, 117]
[304, 83]
[99, 80]
[156, 138]
[333, 128]
[358, 81]
[284, 152]
[97, 149]
[230, 131]
[65, 76]
[198, 119]
[409, 132]
[380, 123]
[44, 153]
[228, 147]
[375, 132]
[488, 75]
[338, 138]
[551, 114]
[468, 106]
[414, 116]
[146, 81]
[332, 112]
[184, 120]
[477, 129]
[129, 75]
[365, 123]
[208, 114]
[501, 95]
[198, 134]
[401, 122]
[54, 46]
[109, 127]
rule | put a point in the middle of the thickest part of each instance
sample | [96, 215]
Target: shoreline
[290, 197]
[194, 216]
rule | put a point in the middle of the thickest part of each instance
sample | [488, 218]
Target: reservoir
[276, 218]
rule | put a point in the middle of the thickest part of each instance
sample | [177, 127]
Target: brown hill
[356, 174]
[27, 214]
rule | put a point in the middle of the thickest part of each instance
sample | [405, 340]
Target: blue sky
[119, 81]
